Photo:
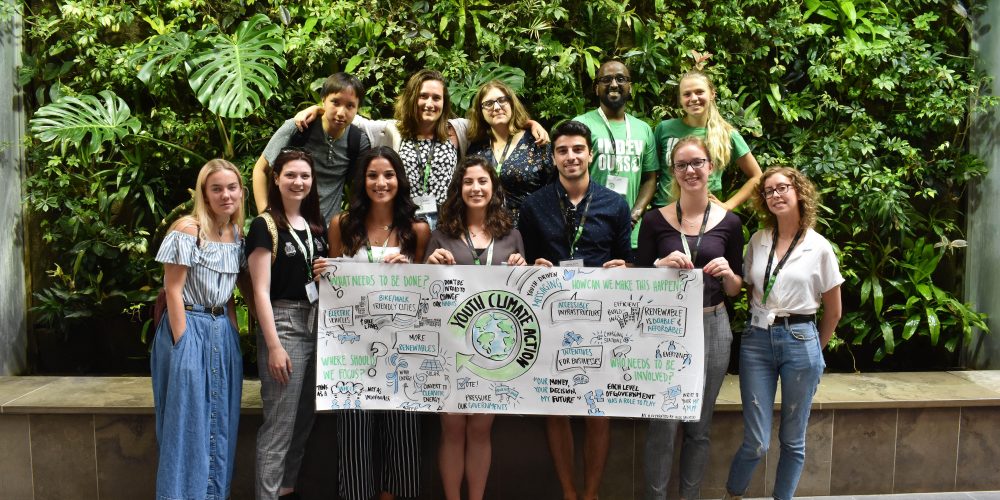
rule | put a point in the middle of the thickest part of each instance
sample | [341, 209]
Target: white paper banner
[510, 340]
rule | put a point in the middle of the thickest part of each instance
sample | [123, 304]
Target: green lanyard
[579, 229]
[368, 247]
[307, 252]
[769, 279]
[472, 250]
[503, 156]
[701, 232]
[614, 145]
[427, 163]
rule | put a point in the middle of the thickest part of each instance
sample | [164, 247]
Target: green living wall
[870, 98]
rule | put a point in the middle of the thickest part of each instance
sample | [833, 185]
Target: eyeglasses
[695, 164]
[493, 102]
[779, 189]
[607, 79]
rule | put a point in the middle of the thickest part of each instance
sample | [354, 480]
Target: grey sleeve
[279, 140]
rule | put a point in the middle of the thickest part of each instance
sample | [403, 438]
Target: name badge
[618, 184]
[311, 292]
[760, 317]
[426, 204]
[571, 263]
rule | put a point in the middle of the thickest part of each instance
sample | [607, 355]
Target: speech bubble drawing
[663, 320]
[378, 350]
[580, 379]
[584, 356]
[393, 302]
[338, 316]
[620, 352]
[574, 309]
[423, 343]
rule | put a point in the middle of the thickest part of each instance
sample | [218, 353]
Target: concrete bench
[94, 438]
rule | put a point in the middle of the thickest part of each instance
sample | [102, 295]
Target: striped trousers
[396, 434]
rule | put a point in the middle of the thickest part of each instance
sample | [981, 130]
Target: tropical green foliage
[870, 98]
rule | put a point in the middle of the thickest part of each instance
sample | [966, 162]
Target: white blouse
[810, 271]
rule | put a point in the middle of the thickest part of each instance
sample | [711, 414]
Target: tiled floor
[972, 495]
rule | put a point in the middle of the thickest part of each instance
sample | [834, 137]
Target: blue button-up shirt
[548, 223]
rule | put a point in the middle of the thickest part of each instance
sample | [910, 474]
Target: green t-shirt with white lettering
[624, 151]
[667, 133]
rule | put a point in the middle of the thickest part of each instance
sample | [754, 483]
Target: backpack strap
[353, 146]
[272, 228]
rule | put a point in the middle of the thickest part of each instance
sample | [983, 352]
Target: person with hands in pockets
[694, 232]
[792, 271]
[281, 246]
[477, 230]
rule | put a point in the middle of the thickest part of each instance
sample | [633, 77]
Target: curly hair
[498, 220]
[804, 189]
[310, 205]
[353, 233]
[479, 129]
[407, 118]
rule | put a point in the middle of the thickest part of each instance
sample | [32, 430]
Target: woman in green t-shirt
[725, 145]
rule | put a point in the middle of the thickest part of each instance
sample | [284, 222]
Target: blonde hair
[804, 189]
[478, 128]
[201, 215]
[718, 132]
[691, 140]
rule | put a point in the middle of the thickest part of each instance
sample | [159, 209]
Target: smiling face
[689, 178]
[696, 95]
[339, 110]
[294, 181]
[477, 188]
[613, 85]
[223, 193]
[781, 204]
[571, 156]
[381, 183]
[430, 101]
[498, 115]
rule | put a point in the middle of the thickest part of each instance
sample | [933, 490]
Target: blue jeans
[660, 438]
[793, 353]
[197, 384]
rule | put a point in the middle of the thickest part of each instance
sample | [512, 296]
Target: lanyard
[427, 162]
[769, 279]
[503, 156]
[701, 232]
[368, 247]
[614, 145]
[472, 250]
[579, 229]
[307, 252]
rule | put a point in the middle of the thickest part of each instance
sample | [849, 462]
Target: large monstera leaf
[234, 74]
[84, 122]
[463, 91]
[162, 55]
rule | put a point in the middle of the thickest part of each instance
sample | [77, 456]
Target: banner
[510, 340]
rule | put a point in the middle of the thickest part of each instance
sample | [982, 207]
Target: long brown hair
[407, 118]
[310, 205]
[478, 128]
[353, 233]
[498, 219]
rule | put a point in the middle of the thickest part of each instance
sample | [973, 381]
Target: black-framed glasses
[607, 79]
[493, 102]
[779, 189]
[696, 163]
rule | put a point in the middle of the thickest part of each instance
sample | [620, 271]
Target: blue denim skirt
[197, 385]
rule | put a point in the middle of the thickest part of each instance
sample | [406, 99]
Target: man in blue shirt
[576, 223]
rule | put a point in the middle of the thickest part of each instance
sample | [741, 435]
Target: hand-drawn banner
[514, 340]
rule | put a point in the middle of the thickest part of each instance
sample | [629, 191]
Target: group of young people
[607, 191]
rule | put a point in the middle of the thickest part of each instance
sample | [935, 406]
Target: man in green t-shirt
[624, 148]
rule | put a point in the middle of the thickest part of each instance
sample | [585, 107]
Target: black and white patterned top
[443, 157]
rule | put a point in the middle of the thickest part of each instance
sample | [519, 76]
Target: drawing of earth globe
[494, 335]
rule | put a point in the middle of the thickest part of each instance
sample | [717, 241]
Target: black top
[605, 234]
[289, 272]
[527, 168]
[657, 239]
